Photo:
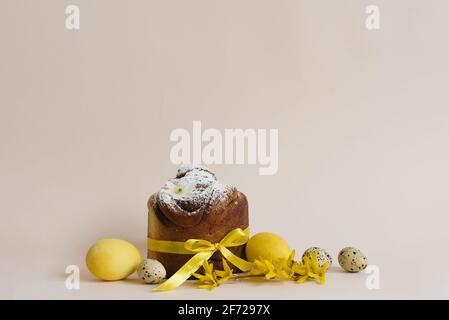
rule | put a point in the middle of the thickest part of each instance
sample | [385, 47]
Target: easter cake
[195, 205]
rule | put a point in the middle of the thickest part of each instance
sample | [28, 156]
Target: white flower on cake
[193, 187]
[178, 190]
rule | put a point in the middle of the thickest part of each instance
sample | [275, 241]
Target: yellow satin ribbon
[202, 250]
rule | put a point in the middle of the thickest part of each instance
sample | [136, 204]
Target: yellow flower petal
[302, 279]
[221, 273]
[208, 267]
[313, 275]
[323, 279]
[291, 258]
[226, 267]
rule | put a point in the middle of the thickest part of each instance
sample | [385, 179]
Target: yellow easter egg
[267, 245]
[112, 259]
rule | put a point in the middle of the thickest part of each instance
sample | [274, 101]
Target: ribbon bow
[202, 250]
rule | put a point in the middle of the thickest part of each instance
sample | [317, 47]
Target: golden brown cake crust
[212, 221]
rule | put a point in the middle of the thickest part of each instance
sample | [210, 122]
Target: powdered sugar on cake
[193, 187]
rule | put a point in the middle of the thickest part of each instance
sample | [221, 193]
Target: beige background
[363, 122]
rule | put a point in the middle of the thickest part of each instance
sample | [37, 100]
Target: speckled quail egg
[151, 271]
[322, 256]
[352, 259]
